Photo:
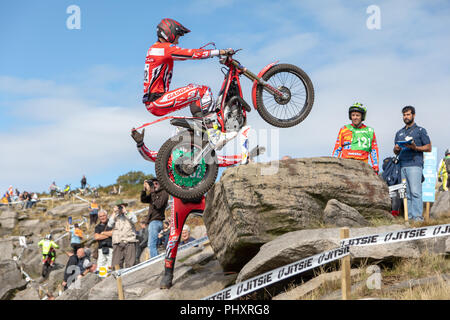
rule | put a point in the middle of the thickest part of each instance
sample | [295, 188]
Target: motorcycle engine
[234, 118]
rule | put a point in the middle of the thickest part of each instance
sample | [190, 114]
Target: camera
[120, 206]
[150, 182]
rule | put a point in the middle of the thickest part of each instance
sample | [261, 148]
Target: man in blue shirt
[411, 142]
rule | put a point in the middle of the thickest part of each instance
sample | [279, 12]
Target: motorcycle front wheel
[175, 172]
[296, 106]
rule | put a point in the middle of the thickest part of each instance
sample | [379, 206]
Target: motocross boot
[166, 281]
[217, 139]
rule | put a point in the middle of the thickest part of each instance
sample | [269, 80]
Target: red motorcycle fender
[260, 74]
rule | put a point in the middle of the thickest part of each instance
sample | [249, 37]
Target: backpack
[391, 171]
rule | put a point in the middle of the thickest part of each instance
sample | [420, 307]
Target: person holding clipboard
[411, 142]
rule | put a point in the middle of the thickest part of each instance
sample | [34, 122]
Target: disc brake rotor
[182, 177]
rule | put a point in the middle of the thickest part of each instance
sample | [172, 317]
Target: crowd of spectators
[25, 198]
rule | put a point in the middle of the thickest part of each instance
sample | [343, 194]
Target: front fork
[259, 80]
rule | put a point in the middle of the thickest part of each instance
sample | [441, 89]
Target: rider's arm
[178, 53]
[146, 153]
[338, 145]
[55, 245]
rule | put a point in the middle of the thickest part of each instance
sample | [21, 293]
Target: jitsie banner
[279, 274]
[397, 236]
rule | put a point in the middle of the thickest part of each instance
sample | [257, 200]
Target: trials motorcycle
[186, 165]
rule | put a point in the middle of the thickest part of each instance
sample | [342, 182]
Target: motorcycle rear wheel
[178, 180]
[45, 270]
[289, 112]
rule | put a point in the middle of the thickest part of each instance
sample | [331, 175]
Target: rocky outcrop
[301, 244]
[8, 220]
[249, 207]
[341, 215]
[10, 278]
[441, 207]
[6, 248]
[69, 209]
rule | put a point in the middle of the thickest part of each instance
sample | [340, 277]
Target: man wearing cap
[123, 235]
[157, 199]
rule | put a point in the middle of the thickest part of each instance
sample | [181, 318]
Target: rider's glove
[138, 137]
[228, 51]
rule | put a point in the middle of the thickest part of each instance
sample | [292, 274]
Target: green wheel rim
[194, 178]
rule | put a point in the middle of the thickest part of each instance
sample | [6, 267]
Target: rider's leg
[179, 213]
[202, 105]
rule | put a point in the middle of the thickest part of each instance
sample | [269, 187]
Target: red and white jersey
[159, 64]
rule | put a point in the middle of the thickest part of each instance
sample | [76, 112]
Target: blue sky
[68, 98]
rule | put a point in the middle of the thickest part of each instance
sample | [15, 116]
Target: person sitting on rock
[356, 140]
[48, 249]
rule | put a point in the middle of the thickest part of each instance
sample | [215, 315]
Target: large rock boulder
[341, 215]
[441, 207]
[69, 209]
[249, 207]
[10, 278]
[8, 220]
[301, 244]
[6, 248]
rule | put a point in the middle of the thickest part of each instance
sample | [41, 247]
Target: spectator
[163, 235]
[72, 271]
[93, 212]
[142, 237]
[8, 197]
[4, 200]
[34, 199]
[76, 236]
[157, 198]
[415, 141]
[123, 235]
[78, 265]
[29, 202]
[103, 235]
[444, 168]
[53, 187]
[83, 182]
[85, 263]
[356, 140]
[186, 235]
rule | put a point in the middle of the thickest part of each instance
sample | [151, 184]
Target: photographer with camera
[157, 198]
[103, 235]
[123, 235]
